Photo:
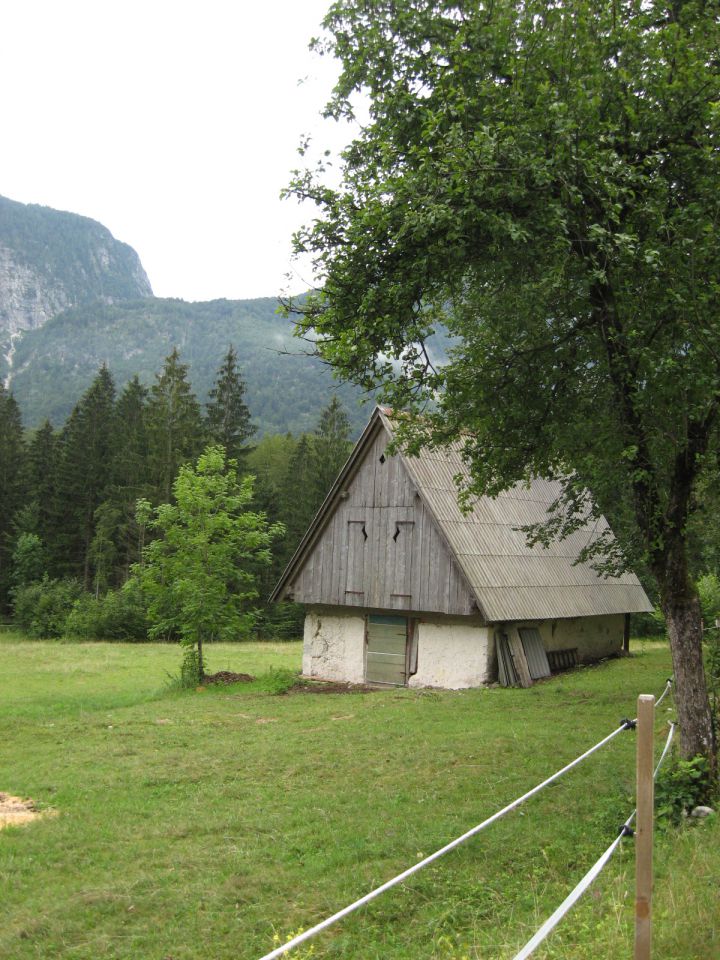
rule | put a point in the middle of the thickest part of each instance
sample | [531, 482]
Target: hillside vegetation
[286, 388]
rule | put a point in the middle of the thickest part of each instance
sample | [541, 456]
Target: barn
[403, 588]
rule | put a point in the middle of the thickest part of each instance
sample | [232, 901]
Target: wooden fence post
[644, 827]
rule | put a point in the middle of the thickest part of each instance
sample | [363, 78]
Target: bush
[119, 615]
[680, 786]
[28, 560]
[278, 681]
[41, 609]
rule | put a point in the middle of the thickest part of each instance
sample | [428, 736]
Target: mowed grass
[197, 825]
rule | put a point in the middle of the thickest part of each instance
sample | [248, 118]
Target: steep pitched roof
[510, 580]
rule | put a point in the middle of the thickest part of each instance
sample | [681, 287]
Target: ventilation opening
[382, 458]
[364, 532]
[563, 659]
[397, 532]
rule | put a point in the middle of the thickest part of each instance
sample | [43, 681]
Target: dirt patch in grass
[227, 676]
[320, 686]
[15, 810]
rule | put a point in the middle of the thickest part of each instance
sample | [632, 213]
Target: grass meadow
[201, 824]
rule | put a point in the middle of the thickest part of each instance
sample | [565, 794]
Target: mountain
[286, 388]
[72, 298]
[50, 260]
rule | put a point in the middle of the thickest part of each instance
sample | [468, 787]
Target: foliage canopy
[543, 179]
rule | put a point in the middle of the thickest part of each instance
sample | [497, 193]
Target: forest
[70, 531]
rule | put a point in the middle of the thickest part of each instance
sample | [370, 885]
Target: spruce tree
[130, 473]
[228, 418]
[42, 475]
[330, 448]
[12, 467]
[103, 551]
[175, 428]
[298, 495]
[85, 471]
[131, 477]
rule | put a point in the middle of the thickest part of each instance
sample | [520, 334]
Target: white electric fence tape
[592, 873]
[665, 692]
[324, 924]
[313, 931]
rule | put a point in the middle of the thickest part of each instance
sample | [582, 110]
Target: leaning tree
[541, 177]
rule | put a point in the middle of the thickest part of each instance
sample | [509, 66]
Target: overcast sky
[175, 123]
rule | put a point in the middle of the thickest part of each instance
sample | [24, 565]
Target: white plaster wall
[595, 637]
[334, 646]
[453, 655]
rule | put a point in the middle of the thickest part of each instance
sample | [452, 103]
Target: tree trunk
[201, 665]
[684, 624]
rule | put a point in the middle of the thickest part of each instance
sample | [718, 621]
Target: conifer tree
[85, 471]
[42, 471]
[131, 479]
[12, 466]
[228, 418]
[298, 494]
[103, 551]
[130, 464]
[175, 429]
[330, 448]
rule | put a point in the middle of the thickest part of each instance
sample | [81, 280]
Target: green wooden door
[386, 660]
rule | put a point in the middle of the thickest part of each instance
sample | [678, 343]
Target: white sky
[175, 123]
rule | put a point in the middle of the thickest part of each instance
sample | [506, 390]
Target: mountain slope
[51, 260]
[286, 390]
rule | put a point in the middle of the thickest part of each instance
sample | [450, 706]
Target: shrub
[278, 681]
[680, 786]
[119, 615]
[41, 609]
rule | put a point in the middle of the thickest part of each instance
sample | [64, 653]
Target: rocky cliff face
[50, 261]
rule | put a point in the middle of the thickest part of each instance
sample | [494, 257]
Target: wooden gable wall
[380, 548]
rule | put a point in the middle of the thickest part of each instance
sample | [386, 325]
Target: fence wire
[573, 897]
[329, 921]
[324, 924]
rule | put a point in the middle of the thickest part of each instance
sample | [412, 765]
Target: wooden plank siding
[380, 548]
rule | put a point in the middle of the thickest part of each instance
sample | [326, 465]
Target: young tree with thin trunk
[544, 179]
[199, 574]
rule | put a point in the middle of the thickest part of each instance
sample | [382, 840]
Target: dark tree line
[68, 496]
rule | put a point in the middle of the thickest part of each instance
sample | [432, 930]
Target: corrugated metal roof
[511, 580]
